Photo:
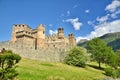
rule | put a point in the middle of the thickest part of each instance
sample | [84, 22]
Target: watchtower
[40, 35]
[72, 40]
[17, 30]
[60, 33]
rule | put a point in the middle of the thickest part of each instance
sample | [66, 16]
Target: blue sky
[84, 18]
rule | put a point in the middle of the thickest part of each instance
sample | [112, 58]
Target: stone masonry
[34, 44]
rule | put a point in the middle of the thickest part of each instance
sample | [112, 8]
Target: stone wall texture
[49, 54]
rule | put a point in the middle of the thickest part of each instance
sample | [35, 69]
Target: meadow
[36, 70]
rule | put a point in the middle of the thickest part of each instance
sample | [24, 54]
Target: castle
[37, 38]
[34, 44]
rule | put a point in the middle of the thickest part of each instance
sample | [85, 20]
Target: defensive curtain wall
[34, 44]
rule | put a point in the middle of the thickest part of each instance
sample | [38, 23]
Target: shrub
[110, 72]
[8, 61]
[115, 73]
[77, 57]
[118, 73]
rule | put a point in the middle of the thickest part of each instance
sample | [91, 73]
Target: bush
[110, 72]
[8, 61]
[115, 73]
[118, 73]
[77, 57]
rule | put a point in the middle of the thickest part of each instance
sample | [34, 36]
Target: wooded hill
[111, 39]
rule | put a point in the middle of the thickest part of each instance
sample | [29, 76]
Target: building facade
[37, 38]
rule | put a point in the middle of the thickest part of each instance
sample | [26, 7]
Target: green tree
[101, 52]
[8, 61]
[118, 56]
[77, 56]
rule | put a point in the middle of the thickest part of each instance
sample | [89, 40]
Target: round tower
[40, 34]
[60, 33]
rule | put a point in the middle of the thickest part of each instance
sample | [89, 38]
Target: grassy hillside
[111, 39]
[36, 70]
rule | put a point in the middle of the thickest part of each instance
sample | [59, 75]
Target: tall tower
[60, 33]
[19, 31]
[40, 36]
[13, 39]
[72, 40]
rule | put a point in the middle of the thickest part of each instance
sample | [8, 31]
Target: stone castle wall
[34, 44]
[26, 35]
[49, 54]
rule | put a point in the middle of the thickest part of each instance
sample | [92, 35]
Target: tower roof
[41, 27]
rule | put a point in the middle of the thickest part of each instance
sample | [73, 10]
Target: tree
[101, 52]
[8, 61]
[118, 56]
[111, 57]
[77, 56]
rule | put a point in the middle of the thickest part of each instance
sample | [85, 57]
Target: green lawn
[36, 70]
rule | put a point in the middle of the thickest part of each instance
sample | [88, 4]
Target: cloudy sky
[84, 18]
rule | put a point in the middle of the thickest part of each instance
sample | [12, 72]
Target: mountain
[82, 43]
[111, 39]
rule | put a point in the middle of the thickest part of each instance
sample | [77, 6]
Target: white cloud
[113, 6]
[114, 15]
[87, 11]
[51, 32]
[113, 12]
[75, 22]
[104, 28]
[103, 19]
[62, 15]
[91, 23]
[50, 25]
[105, 25]
[79, 38]
[68, 13]
[75, 6]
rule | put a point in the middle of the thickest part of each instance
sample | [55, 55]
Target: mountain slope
[111, 39]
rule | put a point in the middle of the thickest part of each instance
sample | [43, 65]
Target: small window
[43, 32]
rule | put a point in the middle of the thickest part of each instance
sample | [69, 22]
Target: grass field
[36, 70]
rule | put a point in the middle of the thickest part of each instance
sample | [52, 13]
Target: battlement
[71, 35]
[21, 25]
[37, 37]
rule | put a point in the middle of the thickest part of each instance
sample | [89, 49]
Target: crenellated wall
[34, 44]
[37, 37]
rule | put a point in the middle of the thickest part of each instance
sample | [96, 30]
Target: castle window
[43, 32]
